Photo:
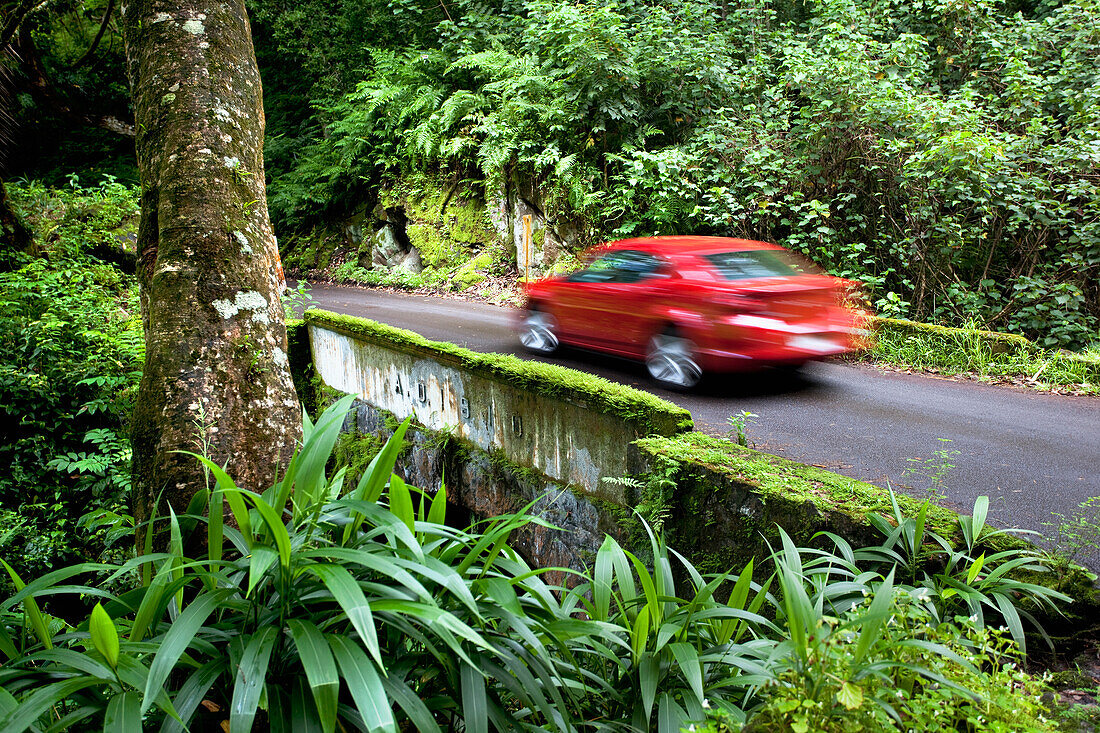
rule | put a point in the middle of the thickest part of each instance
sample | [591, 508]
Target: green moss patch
[996, 342]
[729, 501]
[778, 479]
[649, 413]
[985, 353]
[474, 271]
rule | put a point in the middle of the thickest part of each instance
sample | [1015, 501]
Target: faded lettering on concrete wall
[559, 438]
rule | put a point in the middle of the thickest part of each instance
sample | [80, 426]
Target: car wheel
[538, 333]
[671, 362]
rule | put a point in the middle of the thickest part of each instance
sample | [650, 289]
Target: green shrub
[70, 358]
[325, 605]
[985, 353]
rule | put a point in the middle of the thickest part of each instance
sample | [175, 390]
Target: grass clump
[986, 354]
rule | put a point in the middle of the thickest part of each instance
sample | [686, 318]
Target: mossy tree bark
[216, 376]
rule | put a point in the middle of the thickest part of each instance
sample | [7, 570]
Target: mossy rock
[467, 221]
[424, 198]
[1071, 679]
[436, 250]
[473, 272]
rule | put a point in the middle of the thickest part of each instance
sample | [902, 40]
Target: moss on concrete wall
[729, 501]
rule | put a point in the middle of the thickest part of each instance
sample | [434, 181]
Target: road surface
[1032, 453]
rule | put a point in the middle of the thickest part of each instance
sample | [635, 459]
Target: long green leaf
[147, 542]
[364, 684]
[42, 699]
[1012, 620]
[261, 560]
[639, 634]
[670, 716]
[250, 679]
[31, 609]
[215, 533]
[649, 588]
[873, 620]
[475, 702]
[192, 692]
[305, 475]
[73, 659]
[349, 596]
[320, 668]
[7, 644]
[274, 525]
[377, 473]
[123, 714]
[176, 641]
[687, 659]
[418, 713]
[602, 579]
[649, 679]
[401, 502]
[437, 514]
[303, 713]
[150, 602]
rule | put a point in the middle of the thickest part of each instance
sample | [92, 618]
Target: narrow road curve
[1032, 453]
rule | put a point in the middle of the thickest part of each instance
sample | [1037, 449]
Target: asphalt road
[1033, 454]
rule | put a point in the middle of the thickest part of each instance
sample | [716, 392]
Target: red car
[689, 305]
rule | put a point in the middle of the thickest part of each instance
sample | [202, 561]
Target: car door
[613, 309]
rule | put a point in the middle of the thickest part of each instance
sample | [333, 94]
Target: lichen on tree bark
[216, 378]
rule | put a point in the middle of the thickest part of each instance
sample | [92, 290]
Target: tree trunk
[216, 378]
[14, 234]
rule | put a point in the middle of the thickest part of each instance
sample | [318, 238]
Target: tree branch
[98, 36]
[13, 21]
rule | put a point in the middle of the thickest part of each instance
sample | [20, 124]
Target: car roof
[686, 245]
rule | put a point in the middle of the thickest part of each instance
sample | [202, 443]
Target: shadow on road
[761, 383]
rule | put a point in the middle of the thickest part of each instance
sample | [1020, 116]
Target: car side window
[638, 266]
[602, 270]
[626, 266]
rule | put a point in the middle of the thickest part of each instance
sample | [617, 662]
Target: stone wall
[569, 427]
[484, 485]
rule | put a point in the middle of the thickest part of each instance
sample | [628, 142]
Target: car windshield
[746, 264]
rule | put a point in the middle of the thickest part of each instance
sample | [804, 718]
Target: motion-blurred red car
[689, 305]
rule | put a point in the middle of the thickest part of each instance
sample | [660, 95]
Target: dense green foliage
[61, 88]
[358, 606]
[943, 152]
[70, 358]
